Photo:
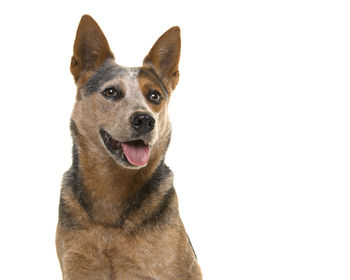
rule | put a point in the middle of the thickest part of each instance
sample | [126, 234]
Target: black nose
[142, 122]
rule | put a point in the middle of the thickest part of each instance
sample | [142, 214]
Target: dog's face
[122, 112]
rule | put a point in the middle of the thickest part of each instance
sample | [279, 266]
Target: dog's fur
[118, 220]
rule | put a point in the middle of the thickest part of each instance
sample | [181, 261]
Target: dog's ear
[164, 57]
[91, 48]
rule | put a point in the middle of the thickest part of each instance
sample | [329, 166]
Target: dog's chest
[149, 255]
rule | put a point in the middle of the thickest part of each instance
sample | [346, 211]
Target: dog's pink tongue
[136, 152]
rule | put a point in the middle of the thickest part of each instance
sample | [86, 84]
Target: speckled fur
[117, 221]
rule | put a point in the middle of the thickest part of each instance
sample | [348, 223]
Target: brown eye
[112, 93]
[154, 96]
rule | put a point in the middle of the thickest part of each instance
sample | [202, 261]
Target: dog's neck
[107, 186]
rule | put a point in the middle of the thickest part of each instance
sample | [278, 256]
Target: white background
[261, 139]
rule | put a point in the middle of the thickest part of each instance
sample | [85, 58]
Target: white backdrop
[261, 139]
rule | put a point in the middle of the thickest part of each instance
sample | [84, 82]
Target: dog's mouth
[134, 152]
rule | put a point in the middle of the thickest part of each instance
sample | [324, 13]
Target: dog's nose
[142, 122]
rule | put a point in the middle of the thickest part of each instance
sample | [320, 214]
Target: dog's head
[122, 111]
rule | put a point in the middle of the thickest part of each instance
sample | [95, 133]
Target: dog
[118, 211]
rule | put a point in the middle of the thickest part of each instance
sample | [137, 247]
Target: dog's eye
[154, 96]
[112, 93]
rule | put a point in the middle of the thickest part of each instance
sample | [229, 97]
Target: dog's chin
[132, 154]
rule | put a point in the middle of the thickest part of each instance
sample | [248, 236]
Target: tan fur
[97, 247]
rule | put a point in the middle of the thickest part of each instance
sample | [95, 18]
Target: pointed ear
[91, 48]
[164, 57]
